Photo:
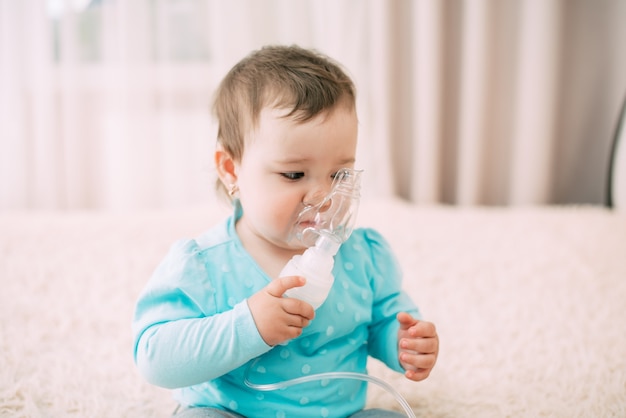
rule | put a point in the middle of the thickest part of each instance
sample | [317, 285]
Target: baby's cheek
[283, 215]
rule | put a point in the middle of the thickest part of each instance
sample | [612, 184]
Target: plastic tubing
[331, 375]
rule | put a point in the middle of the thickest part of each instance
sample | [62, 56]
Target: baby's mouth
[307, 224]
[306, 231]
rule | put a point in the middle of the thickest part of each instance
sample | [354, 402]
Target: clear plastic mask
[334, 216]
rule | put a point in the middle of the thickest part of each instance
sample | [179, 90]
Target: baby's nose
[316, 197]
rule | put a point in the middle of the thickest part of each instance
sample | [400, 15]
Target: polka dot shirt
[194, 333]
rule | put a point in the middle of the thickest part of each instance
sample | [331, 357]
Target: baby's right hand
[277, 318]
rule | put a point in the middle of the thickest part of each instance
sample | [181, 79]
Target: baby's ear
[225, 165]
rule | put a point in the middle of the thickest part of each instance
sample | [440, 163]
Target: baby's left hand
[418, 346]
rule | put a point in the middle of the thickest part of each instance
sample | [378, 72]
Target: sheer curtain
[105, 103]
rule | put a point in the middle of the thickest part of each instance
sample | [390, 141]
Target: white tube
[332, 375]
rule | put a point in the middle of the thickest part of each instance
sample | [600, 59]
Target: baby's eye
[293, 176]
[342, 174]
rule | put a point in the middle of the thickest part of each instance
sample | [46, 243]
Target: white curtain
[105, 103]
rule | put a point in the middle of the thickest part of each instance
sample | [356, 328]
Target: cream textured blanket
[530, 305]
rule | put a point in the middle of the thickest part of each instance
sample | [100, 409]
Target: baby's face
[285, 164]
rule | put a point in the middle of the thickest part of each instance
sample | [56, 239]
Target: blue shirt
[193, 331]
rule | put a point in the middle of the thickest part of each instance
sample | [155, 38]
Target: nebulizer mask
[322, 228]
[334, 216]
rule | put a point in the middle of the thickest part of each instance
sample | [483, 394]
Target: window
[159, 30]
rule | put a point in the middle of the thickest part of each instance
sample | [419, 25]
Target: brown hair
[291, 77]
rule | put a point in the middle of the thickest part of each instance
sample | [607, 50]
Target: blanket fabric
[529, 303]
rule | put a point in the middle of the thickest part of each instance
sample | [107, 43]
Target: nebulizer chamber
[316, 265]
[323, 228]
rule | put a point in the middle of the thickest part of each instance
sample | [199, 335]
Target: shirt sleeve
[178, 341]
[389, 300]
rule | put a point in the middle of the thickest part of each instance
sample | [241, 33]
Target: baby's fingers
[417, 366]
[278, 287]
[420, 345]
[298, 307]
[423, 329]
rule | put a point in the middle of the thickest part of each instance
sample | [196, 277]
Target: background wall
[104, 104]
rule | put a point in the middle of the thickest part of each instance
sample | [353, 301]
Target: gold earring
[232, 189]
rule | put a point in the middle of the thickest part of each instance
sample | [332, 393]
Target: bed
[529, 303]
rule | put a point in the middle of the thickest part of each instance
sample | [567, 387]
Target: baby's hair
[290, 77]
